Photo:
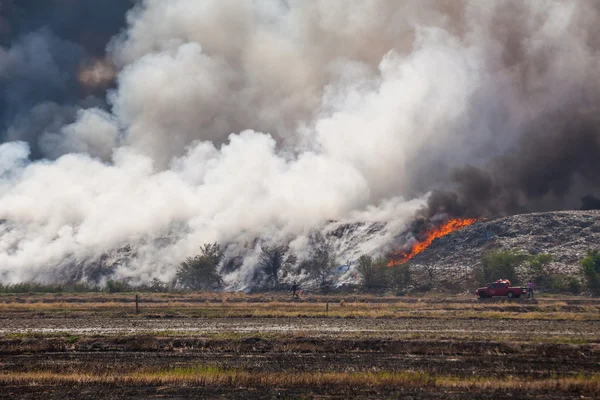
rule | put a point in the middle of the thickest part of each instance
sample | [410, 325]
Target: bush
[424, 288]
[273, 261]
[574, 285]
[590, 266]
[401, 276]
[566, 283]
[33, 287]
[372, 272]
[155, 286]
[158, 286]
[537, 269]
[499, 265]
[113, 286]
[81, 287]
[200, 272]
[321, 262]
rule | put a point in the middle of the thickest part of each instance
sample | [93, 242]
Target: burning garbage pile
[417, 246]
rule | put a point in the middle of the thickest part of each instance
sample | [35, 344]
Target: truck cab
[498, 289]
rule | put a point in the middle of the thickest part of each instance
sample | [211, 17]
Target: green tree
[401, 276]
[590, 266]
[537, 268]
[114, 286]
[372, 271]
[274, 259]
[498, 265]
[157, 286]
[321, 261]
[200, 272]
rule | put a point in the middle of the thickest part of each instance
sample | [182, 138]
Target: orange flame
[450, 226]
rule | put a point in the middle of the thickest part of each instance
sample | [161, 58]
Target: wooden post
[137, 303]
[327, 306]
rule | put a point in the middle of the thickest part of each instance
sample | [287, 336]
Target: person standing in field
[530, 289]
[294, 289]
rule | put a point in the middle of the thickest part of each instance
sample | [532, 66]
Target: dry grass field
[209, 345]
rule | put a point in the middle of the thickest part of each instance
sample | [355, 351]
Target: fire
[450, 226]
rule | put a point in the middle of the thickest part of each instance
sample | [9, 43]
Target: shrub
[401, 276]
[273, 260]
[499, 265]
[113, 286]
[81, 287]
[321, 262]
[574, 285]
[155, 286]
[426, 287]
[372, 271]
[200, 272]
[566, 283]
[33, 287]
[590, 266]
[537, 269]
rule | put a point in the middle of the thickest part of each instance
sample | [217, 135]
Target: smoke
[250, 122]
[53, 60]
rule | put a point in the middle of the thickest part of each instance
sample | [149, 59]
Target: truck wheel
[510, 295]
[483, 295]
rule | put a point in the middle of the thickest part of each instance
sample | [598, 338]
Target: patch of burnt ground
[140, 392]
[114, 356]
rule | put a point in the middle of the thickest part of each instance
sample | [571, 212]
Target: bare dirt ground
[451, 349]
[321, 327]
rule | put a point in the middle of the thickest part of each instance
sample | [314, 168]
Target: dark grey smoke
[43, 46]
[590, 202]
[551, 168]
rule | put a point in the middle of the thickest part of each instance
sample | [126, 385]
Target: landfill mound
[566, 235]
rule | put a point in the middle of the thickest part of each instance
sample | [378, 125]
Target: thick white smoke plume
[241, 120]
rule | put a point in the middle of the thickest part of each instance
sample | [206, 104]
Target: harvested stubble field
[269, 346]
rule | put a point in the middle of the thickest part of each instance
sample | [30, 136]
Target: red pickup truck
[500, 288]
